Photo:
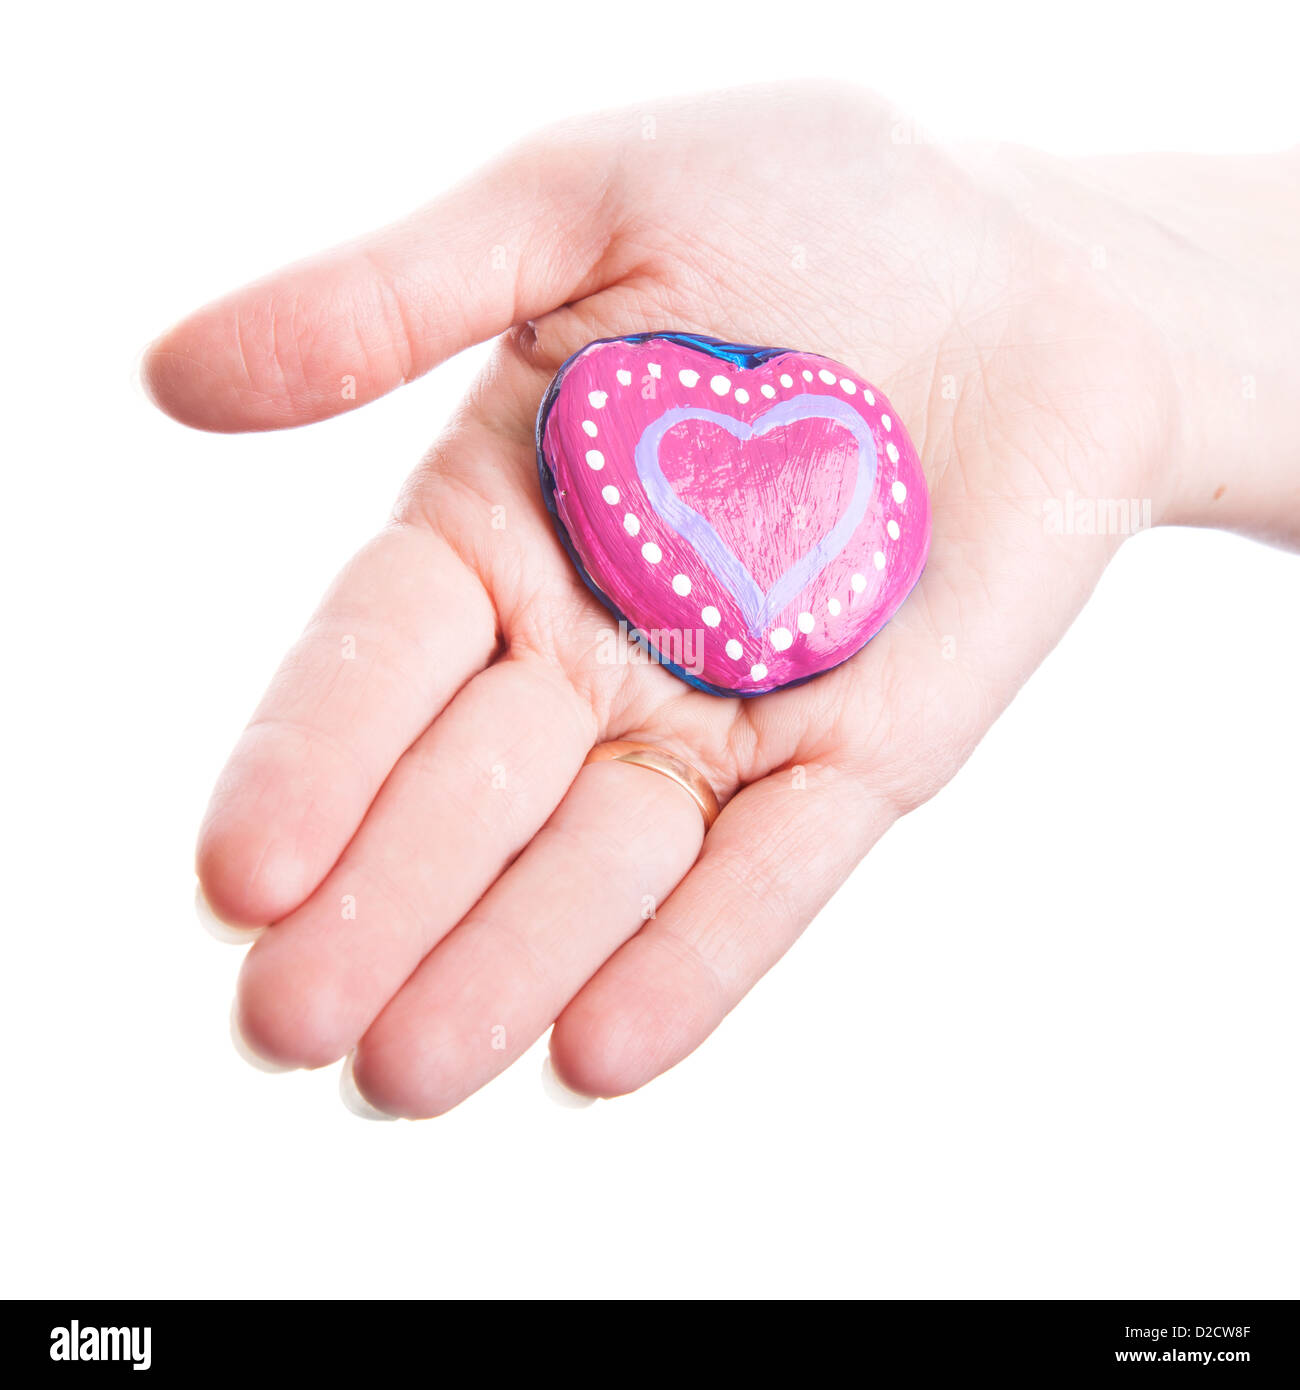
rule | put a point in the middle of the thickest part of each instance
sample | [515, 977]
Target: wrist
[1203, 248]
[1208, 255]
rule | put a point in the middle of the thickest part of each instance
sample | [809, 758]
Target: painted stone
[755, 515]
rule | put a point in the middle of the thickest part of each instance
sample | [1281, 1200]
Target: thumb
[521, 237]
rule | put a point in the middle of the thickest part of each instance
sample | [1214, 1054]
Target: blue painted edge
[739, 355]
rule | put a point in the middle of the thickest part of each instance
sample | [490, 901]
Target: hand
[444, 877]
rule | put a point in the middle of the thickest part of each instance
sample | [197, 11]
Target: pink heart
[740, 486]
[845, 493]
[757, 514]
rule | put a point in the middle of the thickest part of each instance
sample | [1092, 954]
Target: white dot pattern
[780, 639]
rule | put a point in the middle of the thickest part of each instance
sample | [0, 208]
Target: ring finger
[615, 848]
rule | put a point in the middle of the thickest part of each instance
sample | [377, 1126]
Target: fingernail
[254, 1059]
[215, 927]
[560, 1093]
[138, 379]
[350, 1093]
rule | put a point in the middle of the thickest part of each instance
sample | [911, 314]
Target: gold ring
[667, 765]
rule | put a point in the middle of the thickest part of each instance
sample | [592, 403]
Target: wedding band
[667, 765]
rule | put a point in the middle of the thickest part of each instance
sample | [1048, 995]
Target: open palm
[409, 806]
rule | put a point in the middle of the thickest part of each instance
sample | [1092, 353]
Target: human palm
[409, 805]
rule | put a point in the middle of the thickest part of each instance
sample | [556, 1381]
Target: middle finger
[460, 804]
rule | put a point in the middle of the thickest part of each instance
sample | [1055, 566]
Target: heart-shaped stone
[754, 515]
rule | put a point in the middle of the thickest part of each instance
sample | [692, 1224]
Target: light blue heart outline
[758, 608]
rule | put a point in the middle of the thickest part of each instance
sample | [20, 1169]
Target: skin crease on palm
[435, 783]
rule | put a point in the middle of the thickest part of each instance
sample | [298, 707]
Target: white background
[1044, 1043]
